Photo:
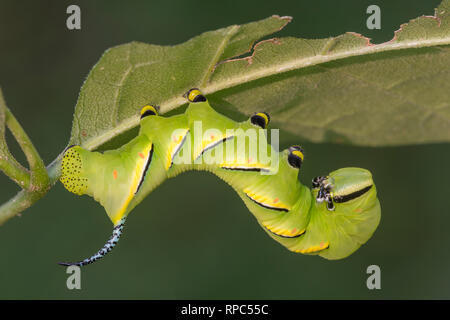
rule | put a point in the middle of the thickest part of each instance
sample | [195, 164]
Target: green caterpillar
[332, 220]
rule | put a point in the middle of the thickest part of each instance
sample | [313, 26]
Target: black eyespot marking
[148, 113]
[295, 157]
[199, 98]
[149, 110]
[260, 119]
[194, 95]
[294, 161]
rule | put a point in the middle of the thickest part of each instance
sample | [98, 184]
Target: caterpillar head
[346, 187]
[347, 208]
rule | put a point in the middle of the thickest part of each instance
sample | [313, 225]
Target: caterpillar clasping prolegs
[332, 220]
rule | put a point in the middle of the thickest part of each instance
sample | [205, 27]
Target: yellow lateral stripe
[140, 167]
[284, 232]
[274, 203]
[312, 249]
[246, 163]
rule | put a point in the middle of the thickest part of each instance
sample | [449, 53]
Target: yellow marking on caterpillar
[137, 174]
[174, 146]
[194, 93]
[149, 108]
[208, 143]
[263, 115]
[236, 165]
[321, 246]
[298, 154]
[284, 232]
[266, 201]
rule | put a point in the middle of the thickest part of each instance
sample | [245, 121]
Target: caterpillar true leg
[109, 245]
[317, 181]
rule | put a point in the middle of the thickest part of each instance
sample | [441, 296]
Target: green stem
[39, 177]
[14, 170]
[36, 182]
[24, 199]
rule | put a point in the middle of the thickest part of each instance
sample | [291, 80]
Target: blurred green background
[193, 238]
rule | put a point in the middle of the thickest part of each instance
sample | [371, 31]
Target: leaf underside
[341, 89]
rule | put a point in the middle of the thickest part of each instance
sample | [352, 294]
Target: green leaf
[339, 89]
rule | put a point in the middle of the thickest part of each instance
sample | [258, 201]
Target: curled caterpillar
[333, 219]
